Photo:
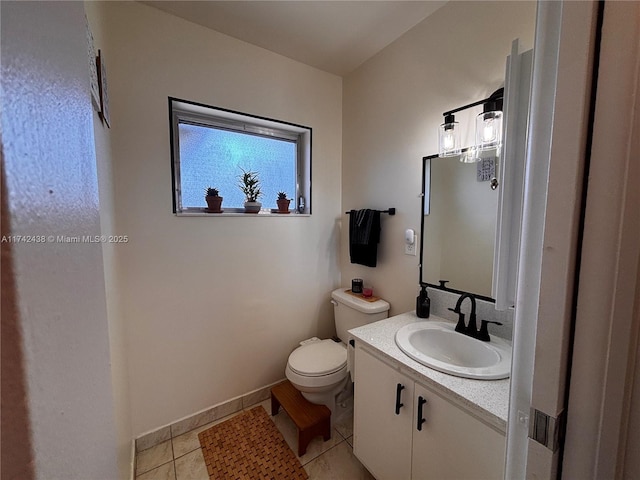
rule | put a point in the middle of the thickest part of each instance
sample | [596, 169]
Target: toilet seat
[318, 359]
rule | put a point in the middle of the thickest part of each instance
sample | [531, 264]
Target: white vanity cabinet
[382, 438]
[451, 443]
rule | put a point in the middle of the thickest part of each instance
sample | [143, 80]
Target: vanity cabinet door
[453, 444]
[382, 438]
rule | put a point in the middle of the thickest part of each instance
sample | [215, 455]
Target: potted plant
[214, 200]
[283, 202]
[250, 186]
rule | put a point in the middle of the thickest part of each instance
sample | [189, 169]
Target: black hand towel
[364, 236]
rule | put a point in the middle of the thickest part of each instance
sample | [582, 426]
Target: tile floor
[180, 458]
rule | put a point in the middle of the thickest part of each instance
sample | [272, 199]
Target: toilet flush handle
[335, 304]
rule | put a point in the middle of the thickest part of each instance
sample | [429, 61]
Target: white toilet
[318, 368]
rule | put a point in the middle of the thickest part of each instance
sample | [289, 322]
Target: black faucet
[471, 328]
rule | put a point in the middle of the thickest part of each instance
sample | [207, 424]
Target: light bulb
[449, 141]
[448, 138]
[488, 130]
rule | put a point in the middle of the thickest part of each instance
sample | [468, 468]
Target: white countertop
[486, 399]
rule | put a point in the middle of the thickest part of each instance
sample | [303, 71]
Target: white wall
[52, 190]
[393, 105]
[117, 325]
[213, 306]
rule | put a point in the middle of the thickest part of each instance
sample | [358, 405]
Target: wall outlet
[410, 249]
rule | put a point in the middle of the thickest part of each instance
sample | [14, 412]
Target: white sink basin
[438, 346]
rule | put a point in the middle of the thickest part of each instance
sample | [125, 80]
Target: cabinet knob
[399, 389]
[421, 402]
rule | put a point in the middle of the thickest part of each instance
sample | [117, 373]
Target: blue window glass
[215, 157]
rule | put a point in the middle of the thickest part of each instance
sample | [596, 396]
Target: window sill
[264, 213]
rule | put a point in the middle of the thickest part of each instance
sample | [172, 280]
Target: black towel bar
[391, 211]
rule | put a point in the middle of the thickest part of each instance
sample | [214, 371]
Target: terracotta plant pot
[214, 203]
[283, 205]
[252, 207]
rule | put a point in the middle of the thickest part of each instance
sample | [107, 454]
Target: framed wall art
[93, 69]
[104, 92]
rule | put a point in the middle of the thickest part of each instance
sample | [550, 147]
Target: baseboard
[132, 473]
[202, 417]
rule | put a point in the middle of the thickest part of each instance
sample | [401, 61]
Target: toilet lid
[318, 358]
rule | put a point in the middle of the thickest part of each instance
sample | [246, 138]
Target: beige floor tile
[328, 460]
[339, 463]
[163, 472]
[154, 457]
[191, 467]
[188, 442]
[290, 434]
[343, 422]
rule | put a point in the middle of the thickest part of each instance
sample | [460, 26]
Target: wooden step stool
[310, 419]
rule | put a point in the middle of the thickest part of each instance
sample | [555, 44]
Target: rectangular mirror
[458, 228]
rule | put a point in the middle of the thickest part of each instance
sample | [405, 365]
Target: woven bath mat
[249, 446]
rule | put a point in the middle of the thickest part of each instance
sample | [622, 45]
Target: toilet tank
[351, 311]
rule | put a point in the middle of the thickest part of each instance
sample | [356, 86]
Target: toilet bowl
[318, 368]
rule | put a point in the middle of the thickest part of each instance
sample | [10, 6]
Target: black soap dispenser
[423, 303]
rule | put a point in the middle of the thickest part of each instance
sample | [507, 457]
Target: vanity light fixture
[488, 129]
[470, 155]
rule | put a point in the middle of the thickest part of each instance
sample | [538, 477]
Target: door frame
[601, 400]
[558, 133]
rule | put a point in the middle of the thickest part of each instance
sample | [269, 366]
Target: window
[211, 147]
